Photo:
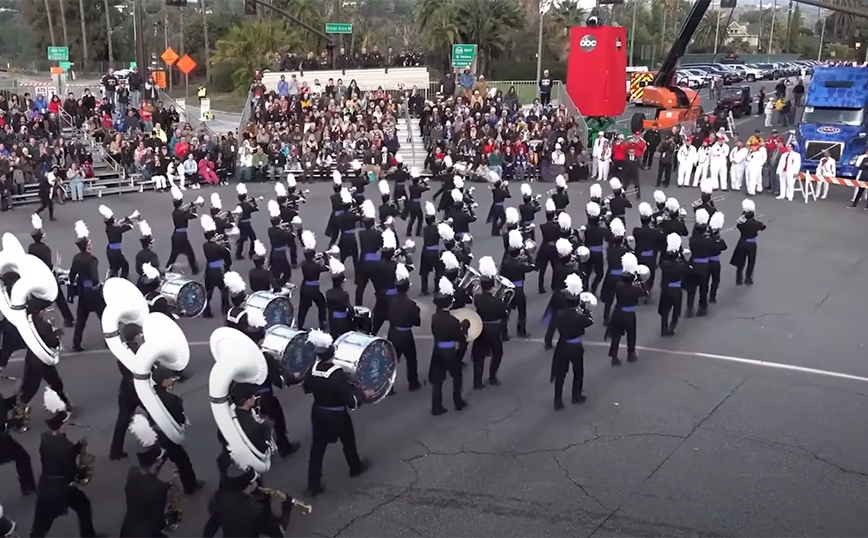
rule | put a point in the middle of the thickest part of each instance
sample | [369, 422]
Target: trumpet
[21, 415]
[86, 462]
[299, 197]
[132, 219]
[404, 254]
[193, 207]
[322, 258]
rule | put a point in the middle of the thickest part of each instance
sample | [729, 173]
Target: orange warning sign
[186, 64]
[56, 70]
[169, 56]
[160, 78]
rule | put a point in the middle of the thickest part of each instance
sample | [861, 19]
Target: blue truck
[835, 118]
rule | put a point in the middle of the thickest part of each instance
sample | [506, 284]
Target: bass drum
[291, 350]
[370, 361]
[185, 297]
[276, 309]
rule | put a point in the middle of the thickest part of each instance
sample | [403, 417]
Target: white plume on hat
[645, 209]
[200, 200]
[390, 242]
[255, 318]
[308, 240]
[445, 287]
[241, 188]
[617, 227]
[399, 158]
[458, 182]
[564, 247]
[81, 230]
[565, 221]
[512, 215]
[748, 206]
[216, 203]
[368, 210]
[449, 261]
[279, 190]
[629, 263]
[706, 186]
[320, 339]
[414, 172]
[383, 185]
[574, 284]
[515, 239]
[659, 197]
[296, 220]
[176, 193]
[487, 267]
[106, 212]
[596, 191]
[493, 176]
[234, 283]
[457, 195]
[401, 273]
[336, 267]
[336, 178]
[346, 197]
[445, 232]
[672, 205]
[673, 242]
[142, 430]
[207, 223]
[701, 216]
[550, 206]
[258, 248]
[716, 221]
[592, 209]
[274, 207]
[52, 401]
[150, 272]
[615, 184]
[36, 221]
[430, 209]
[561, 182]
[526, 190]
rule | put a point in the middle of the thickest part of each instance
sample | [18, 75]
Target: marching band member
[546, 255]
[215, 267]
[114, 233]
[429, 260]
[701, 247]
[260, 277]
[333, 396]
[400, 176]
[737, 165]
[128, 399]
[150, 288]
[617, 202]
[672, 221]
[388, 209]
[452, 272]
[311, 270]
[562, 267]
[346, 225]
[413, 206]
[237, 296]
[649, 242]
[7, 525]
[494, 314]
[826, 169]
[497, 213]
[338, 302]
[687, 156]
[789, 167]
[571, 322]
[448, 334]
[604, 158]
[715, 225]
[595, 235]
[248, 206]
[515, 268]
[511, 223]
[359, 181]
[659, 207]
[458, 215]
[84, 283]
[146, 255]
[744, 252]
[595, 193]
[623, 320]
[450, 243]
[289, 216]
[259, 432]
[756, 159]
[404, 314]
[862, 164]
[57, 491]
[674, 270]
[147, 496]
[370, 241]
[528, 210]
[561, 197]
[164, 379]
[11, 450]
[42, 251]
[285, 210]
[717, 156]
[338, 207]
[35, 371]
[705, 202]
[702, 163]
[383, 277]
[279, 237]
[614, 253]
[181, 218]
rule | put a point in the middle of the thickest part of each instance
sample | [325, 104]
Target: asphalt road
[748, 423]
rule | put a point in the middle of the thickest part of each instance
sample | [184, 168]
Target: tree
[81, 19]
[50, 24]
[249, 45]
[62, 4]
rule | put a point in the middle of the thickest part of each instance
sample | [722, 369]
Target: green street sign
[462, 55]
[58, 54]
[64, 65]
[133, 65]
[338, 28]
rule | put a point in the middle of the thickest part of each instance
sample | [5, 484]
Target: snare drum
[276, 309]
[362, 319]
[370, 361]
[291, 350]
[186, 297]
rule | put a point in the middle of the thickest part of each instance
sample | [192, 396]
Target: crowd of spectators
[364, 59]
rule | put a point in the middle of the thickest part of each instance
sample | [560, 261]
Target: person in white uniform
[687, 156]
[702, 163]
[737, 165]
[718, 157]
[755, 161]
[826, 169]
[788, 169]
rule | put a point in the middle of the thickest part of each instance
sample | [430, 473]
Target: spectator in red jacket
[619, 153]
[55, 105]
[206, 171]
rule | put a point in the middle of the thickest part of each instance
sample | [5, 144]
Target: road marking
[691, 354]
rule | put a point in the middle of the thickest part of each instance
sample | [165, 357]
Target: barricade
[806, 181]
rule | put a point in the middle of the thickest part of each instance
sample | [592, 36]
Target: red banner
[597, 70]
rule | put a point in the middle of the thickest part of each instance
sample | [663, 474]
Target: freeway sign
[338, 28]
[64, 65]
[462, 55]
[58, 54]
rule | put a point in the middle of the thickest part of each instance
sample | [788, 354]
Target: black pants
[281, 271]
[178, 456]
[429, 262]
[128, 402]
[362, 278]
[651, 263]
[698, 282]
[88, 302]
[349, 249]
[595, 266]
[381, 312]
[569, 355]
[10, 450]
[271, 409]
[46, 202]
[664, 174]
[118, 265]
[545, 257]
[323, 435]
[488, 342]
[498, 218]
[670, 309]
[405, 346]
[750, 261]
[519, 304]
[648, 156]
[246, 233]
[414, 213]
[181, 245]
[11, 343]
[214, 281]
[35, 371]
[63, 305]
[714, 278]
[448, 363]
[50, 506]
[545, 98]
[622, 323]
[309, 296]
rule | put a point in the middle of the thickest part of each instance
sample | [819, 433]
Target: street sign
[186, 64]
[133, 65]
[463, 55]
[181, 108]
[338, 28]
[64, 66]
[204, 109]
[58, 54]
[169, 56]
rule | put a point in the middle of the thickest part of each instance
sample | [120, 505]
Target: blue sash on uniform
[244, 220]
[334, 409]
[372, 256]
[616, 272]
[699, 260]
[114, 246]
[447, 345]
[350, 231]
[339, 212]
[646, 253]
[181, 230]
[311, 282]
[403, 329]
[215, 264]
[576, 340]
[279, 249]
[432, 247]
[85, 283]
[498, 203]
[751, 239]
[676, 284]
[596, 248]
[339, 315]
[714, 258]
[628, 309]
[391, 291]
[417, 200]
[518, 283]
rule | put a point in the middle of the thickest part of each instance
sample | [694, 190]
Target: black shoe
[689, 311]
[118, 456]
[580, 399]
[361, 469]
[632, 357]
[478, 386]
[438, 412]
[69, 323]
[239, 256]
[392, 392]
[542, 290]
[739, 282]
[749, 282]
[616, 361]
[559, 404]
[199, 485]
[289, 449]
[77, 349]
[28, 491]
[313, 491]
[712, 299]
[493, 381]
[702, 312]
[460, 405]
[414, 386]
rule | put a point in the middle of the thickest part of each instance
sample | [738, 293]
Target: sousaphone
[36, 280]
[10, 256]
[469, 315]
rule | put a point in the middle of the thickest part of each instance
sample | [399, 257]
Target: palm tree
[50, 24]
[84, 55]
[370, 32]
[63, 23]
[490, 24]
[839, 24]
[250, 45]
[566, 16]
[439, 33]
[426, 10]
[205, 39]
[108, 25]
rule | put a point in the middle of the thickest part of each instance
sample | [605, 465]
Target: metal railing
[246, 112]
[410, 137]
[66, 121]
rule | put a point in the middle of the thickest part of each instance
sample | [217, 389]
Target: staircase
[412, 146]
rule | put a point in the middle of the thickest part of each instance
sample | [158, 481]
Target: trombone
[132, 219]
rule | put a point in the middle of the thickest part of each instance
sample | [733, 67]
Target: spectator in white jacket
[191, 171]
[175, 174]
[717, 155]
[605, 161]
[702, 162]
[789, 167]
[595, 153]
[686, 161]
[737, 165]
[826, 169]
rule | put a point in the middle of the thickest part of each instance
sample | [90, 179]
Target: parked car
[685, 78]
[769, 71]
[750, 74]
[728, 76]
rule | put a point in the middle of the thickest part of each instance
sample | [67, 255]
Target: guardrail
[68, 122]
[246, 112]
[410, 138]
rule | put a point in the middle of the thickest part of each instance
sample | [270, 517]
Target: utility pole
[772, 32]
[108, 26]
[207, 46]
[789, 27]
[632, 32]
[138, 20]
[822, 34]
[717, 32]
[544, 6]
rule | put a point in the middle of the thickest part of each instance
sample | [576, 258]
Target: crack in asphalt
[821, 303]
[759, 316]
[492, 423]
[580, 487]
